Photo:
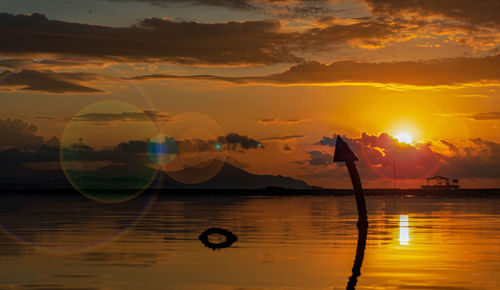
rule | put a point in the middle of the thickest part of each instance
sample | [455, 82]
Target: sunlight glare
[404, 230]
[404, 137]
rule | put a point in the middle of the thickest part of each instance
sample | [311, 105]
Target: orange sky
[286, 73]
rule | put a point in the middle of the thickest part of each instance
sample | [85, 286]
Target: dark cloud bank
[163, 40]
[153, 39]
[20, 142]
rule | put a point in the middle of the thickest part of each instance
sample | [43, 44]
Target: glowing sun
[404, 138]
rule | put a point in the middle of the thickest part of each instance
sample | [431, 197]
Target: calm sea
[57, 242]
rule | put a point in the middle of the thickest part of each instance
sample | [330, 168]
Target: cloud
[423, 73]
[269, 121]
[284, 137]
[305, 9]
[47, 81]
[106, 118]
[484, 13]
[53, 142]
[231, 4]
[50, 63]
[136, 146]
[20, 144]
[157, 115]
[328, 141]
[486, 116]
[450, 146]
[391, 20]
[467, 23]
[15, 133]
[282, 8]
[236, 80]
[475, 158]
[289, 8]
[478, 96]
[152, 40]
[45, 118]
[146, 115]
[378, 154]
[477, 116]
[15, 63]
[164, 40]
[445, 72]
[366, 33]
[318, 158]
[234, 139]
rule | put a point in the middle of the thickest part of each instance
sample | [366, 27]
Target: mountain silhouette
[231, 176]
[23, 176]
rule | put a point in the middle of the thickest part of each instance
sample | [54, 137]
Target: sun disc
[404, 138]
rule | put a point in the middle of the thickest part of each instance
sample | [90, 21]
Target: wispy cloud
[486, 116]
[230, 4]
[475, 116]
[48, 81]
[269, 121]
[123, 116]
[284, 137]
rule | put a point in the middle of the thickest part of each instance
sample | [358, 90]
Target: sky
[408, 83]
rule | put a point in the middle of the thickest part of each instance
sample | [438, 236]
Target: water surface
[54, 242]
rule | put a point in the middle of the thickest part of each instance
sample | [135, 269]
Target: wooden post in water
[344, 154]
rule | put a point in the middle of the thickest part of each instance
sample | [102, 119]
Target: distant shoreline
[274, 191]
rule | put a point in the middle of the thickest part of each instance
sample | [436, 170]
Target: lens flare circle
[162, 149]
[201, 148]
[80, 226]
[103, 154]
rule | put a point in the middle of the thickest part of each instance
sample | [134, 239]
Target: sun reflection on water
[404, 230]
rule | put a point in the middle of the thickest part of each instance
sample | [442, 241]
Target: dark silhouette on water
[344, 154]
[440, 183]
[230, 238]
[358, 261]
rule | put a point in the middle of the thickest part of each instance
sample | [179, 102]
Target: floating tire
[230, 238]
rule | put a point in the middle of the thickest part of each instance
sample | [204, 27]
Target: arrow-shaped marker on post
[344, 154]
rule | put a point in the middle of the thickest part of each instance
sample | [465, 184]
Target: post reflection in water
[404, 230]
[358, 260]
